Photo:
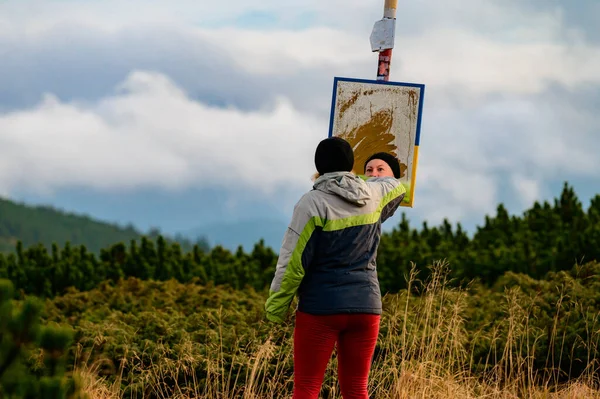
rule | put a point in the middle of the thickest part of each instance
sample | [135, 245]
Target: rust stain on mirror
[375, 117]
[375, 135]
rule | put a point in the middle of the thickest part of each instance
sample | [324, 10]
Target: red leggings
[314, 338]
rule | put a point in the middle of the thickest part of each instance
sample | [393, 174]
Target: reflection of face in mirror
[378, 168]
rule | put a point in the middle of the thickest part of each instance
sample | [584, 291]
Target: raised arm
[392, 193]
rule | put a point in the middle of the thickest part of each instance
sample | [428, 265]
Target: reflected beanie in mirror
[391, 160]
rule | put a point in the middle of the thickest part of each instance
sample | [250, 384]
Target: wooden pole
[390, 7]
[385, 56]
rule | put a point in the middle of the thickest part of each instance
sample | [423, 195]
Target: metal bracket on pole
[382, 36]
[382, 39]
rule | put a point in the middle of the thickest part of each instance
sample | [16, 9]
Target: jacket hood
[345, 185]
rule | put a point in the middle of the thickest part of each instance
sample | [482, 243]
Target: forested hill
[546, 238]
[156, 317]
[46, 225]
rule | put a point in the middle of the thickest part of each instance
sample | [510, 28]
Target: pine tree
[21, 333]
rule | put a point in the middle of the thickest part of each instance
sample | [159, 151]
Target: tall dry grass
[424, 352]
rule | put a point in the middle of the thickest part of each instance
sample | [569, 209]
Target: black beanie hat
[334, 154]
[389, 159]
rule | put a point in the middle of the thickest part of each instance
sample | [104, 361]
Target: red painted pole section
[385, 56]
[383, 65]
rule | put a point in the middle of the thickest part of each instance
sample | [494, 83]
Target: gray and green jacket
[328, 252]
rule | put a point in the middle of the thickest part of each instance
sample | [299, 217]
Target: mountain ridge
[47, 225]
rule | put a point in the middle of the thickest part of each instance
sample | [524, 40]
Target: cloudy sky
[182, 114]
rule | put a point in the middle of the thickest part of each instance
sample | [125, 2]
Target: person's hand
[280, 330]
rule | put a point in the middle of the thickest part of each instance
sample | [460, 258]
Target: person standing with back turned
[328, 258]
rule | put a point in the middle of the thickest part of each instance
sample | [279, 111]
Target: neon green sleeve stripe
[369, 218]
[392, 195]
[279, 301]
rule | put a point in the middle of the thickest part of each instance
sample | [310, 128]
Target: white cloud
[469, 62]
[152, 134]
[447, 191]
[488, 67]
[284, 52]
[468, 157]
[477, 48]
[529, 189]
[442, 58]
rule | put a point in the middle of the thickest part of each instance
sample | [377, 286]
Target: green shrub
[32, 356]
